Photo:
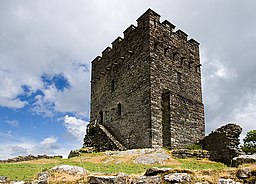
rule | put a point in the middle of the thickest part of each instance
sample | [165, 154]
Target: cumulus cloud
[32, 45]
[13, 146]
[48, 141]
[76, 127]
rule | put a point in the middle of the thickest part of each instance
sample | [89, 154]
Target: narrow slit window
[182, 61]
[179, 77]
[119, 109]
[101, 116]
[166, 51]
[113, 85]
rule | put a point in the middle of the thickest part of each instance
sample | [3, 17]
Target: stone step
[112, 138]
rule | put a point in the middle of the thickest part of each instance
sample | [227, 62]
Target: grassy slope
[100, 162]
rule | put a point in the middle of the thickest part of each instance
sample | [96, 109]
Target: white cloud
[42, 39]
[70, 99]
[245, 112]
[13, 123]
[76, 127]
[43, 107]
[214, 68]
[13, 146]
[48, 141]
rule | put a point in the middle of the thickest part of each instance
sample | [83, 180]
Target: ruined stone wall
[174, 71]
[120, 89]
[223, 143]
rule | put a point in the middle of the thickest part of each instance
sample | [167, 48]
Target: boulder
[243, 159]
[18, 182]
[227, 181]
[222, 144]
[243, 173]
[102, 179]
[153, 171]
[118, 179]
[69, 169]
[177, 178]
[3, 179]
[42, 178]
[147, 180]
[157, 157]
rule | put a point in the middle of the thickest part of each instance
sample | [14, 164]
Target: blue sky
[46, 48]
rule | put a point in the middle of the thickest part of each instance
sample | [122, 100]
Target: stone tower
[146, 90]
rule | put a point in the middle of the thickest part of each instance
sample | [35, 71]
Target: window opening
[182, 61]
[119, 109]
[101, 116]
[166, 51]
[179, 77]
[113, 85]
[175, 56]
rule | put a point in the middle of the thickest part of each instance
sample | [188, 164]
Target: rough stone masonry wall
[175, 71]
[120, 89]
[222, 143]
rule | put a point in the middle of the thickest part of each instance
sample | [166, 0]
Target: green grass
[27, 171]
[194, 164]
[22, 171]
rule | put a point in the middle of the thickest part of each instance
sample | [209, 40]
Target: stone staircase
[112, 138]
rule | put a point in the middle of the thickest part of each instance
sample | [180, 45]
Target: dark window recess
[119, 109]
[156, 45]
[175, 56]
[113, 85]
[198, 69]
[166, 51]
[179, 77]
[101, 116]
[182, 61]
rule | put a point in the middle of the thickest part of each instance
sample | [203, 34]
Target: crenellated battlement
[129, 30]
[148, 18]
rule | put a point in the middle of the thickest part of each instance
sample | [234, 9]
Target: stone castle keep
[146, 90]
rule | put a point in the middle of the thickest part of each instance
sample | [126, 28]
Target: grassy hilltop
[111, 163]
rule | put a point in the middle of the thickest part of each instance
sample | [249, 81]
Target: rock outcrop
[243, 159]
[73, 170]
[4, 179]
[153, 171]
[186, 153]
[29, 157]
[118, 179]
[177, 178]
[222, 144]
